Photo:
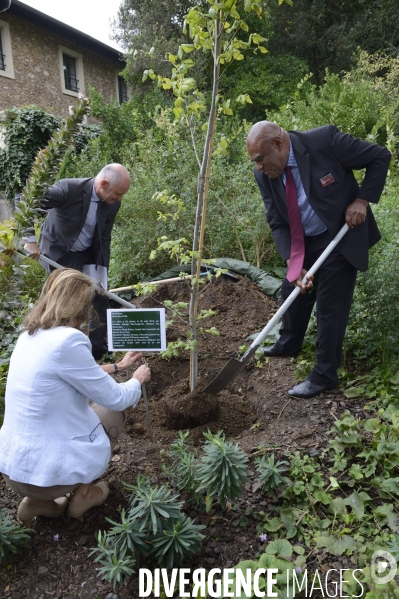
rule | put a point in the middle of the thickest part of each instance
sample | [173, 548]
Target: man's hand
[307, 285]
[33, 248]
[298, 283]
[355, 214]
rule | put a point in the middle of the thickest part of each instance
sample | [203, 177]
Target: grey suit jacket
[68, 202]
[326, 152]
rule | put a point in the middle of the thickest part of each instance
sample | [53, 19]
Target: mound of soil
[189, 409]
[253, 410]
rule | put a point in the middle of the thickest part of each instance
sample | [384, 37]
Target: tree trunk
[202, 197]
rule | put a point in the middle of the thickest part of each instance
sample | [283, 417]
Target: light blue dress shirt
[312, 224]
[86, 235]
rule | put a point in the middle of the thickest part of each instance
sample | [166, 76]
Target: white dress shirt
[50, 435]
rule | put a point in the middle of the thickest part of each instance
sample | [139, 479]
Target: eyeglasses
[91, 437]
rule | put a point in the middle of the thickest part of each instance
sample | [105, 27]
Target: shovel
[110, 295]
[235, 366]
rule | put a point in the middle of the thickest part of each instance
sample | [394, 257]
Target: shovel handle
[284, 307]
[116, 298]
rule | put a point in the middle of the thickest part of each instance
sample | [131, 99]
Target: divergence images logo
[383, 567]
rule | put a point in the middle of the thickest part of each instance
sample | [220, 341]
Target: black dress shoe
[307, 389]
[276, 350]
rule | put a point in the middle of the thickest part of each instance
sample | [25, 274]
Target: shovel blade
[225, 376]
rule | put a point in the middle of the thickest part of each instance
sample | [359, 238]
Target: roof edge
[35, 16]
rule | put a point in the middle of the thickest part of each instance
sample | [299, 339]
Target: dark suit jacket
[321, 152]
[68, 203]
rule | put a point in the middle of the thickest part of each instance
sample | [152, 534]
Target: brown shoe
[85, 497]
[28, 509]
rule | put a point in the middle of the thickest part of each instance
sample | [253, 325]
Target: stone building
[47, 63]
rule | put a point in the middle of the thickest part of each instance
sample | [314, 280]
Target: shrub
[27, 130]
[270, 473]
[377, 292]
[13, 537]
[115, 564]
[153, 527]
[151, 505]
[269, 81]
[222, 471]
[350, 102]
[182, 471]
[178, 538]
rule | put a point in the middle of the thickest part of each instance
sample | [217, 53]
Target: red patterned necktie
[296, 229]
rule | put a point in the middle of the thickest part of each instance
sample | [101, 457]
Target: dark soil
[254, 410]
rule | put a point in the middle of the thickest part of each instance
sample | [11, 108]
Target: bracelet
[116, 368]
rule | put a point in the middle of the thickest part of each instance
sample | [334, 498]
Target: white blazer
[50, 435]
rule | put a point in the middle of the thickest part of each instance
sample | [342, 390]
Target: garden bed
[254, 411]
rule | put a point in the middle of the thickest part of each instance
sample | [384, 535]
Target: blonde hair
[65, 300]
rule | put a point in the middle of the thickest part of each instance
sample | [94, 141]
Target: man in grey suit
[77, 230]
[320, 162]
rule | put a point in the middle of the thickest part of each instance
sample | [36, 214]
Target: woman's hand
[131, 358]
[142, 374]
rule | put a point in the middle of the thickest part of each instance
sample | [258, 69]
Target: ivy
[27, 130]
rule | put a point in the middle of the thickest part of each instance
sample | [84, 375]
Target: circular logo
[383, 567]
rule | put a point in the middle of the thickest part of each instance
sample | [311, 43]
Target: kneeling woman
[54, 440]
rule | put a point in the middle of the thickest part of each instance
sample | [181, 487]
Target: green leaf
[273, 525]
[288, 518]
[334, 483]
[344, 544]
[390, 485]
[385, 514]
[336, 545]
[356, 503]
[392, 414]
[322, 496]
[356, 472]
[395, 378]
[387, 447]
[280, 547]
[371, 424]
[337, 506]
[354, 392]
[187, 47]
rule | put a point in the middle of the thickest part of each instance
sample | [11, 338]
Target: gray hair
[113, 173]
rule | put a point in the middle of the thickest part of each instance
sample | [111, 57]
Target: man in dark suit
[318, 166]
[77, 230]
